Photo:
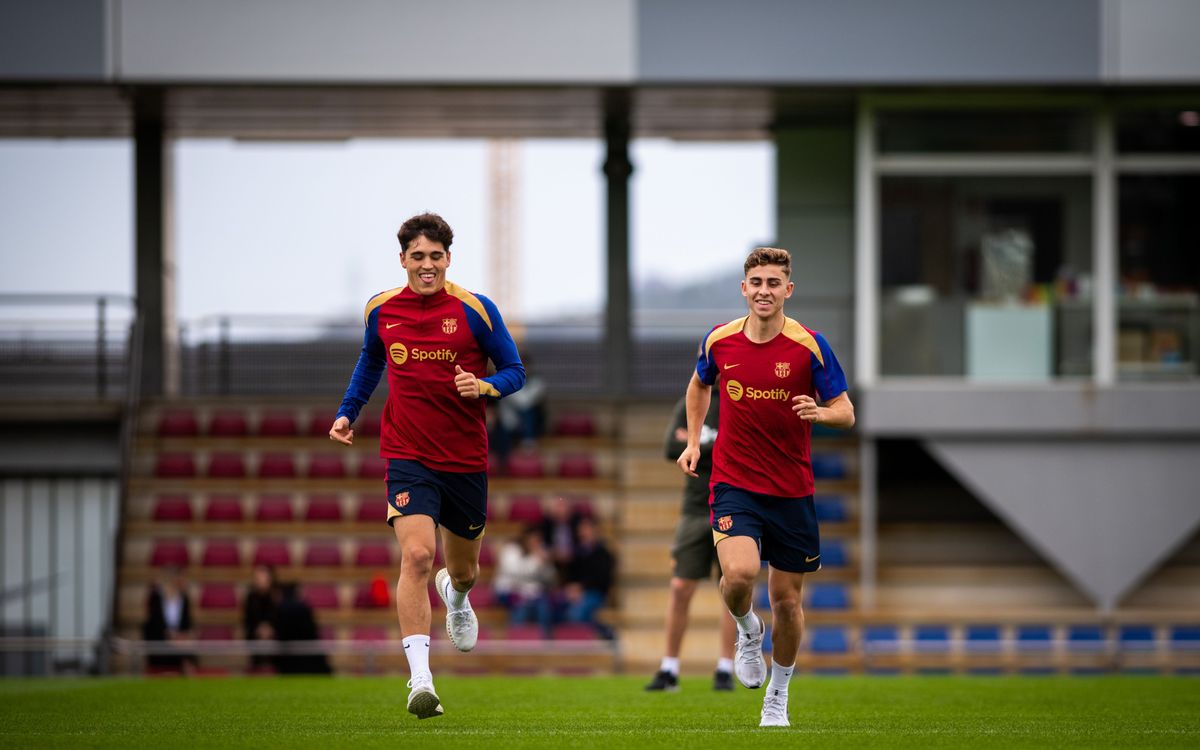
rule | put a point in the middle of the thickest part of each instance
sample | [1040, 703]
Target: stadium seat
[828, 466]
[174, 466]
[274, 509]
[576, 466]
[487, 556]
[221, 553]
[218, 596]
[368, 425]
[573, 631]
[223, 509]
[1185, 638]
[525, 509]
[216, 633]
[323, 554]
[577, 424]
[170, 552]
[180, 423]
[225, 465]
[825, 596]
[277, 466]
[319, 424]
[1035, 638]
[370, 633]
[830, 508]
[526, 465]
[581, 506]
[172, 508]
[371, 596]
[278, 424]
[321, 595]
[983, 639]
[372, 467]
[273, 552]
[483, 596]
[524, 633]
[323, 508]
[931, 639]
[326, 466]
[833, 553]
[1085, 638]
[1137, 638]
[372, 508]
[881, 639]
[828, 640]
[373, 555]
[228, 424]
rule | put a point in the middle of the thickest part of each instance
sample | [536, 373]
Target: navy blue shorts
[784, 527]
[455, 500]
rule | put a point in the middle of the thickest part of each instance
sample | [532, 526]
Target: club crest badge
[449, 325]
[402, 498]
[725, 523]
[783, 369]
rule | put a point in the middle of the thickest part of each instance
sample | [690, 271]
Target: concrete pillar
[618, 344]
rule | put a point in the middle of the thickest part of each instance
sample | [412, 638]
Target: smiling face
[765, 289]
[426, 262]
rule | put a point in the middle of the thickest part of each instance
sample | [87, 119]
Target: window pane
[984, 131]
[1159, 314]
[1165, 130]
[986, 277]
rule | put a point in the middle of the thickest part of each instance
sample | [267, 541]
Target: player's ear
[447, 258]
[787, 292]
[743, 287]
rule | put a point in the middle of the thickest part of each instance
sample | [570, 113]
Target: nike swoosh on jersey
[730, 367]
[390, 326]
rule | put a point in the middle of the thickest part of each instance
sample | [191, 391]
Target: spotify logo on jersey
[737, 392]
[399, 353]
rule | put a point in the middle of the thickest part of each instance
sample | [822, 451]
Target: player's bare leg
[787, 617]
[453, 582]
[739, 565]
[415, 535]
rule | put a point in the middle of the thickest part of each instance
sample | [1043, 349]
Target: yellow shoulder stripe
[454, 290]
[730, 328]
[801, 336]
[378, 300]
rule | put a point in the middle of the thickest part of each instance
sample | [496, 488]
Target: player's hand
[466, 383]
[806, 408]
[688, 459]
[341, 432]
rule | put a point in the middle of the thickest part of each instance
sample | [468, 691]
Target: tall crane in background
[504, 209]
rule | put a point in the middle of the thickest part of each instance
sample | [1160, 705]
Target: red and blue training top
[420, 338]
[762, 445]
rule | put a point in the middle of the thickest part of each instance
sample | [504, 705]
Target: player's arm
[497, 343]
[698, 395]
[367, 372]
[837, 412]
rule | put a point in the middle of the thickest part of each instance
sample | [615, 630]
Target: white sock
[455, 599]
[749, 622]
[779, 678]
[670, 664]
[725, 665]
[416, 648]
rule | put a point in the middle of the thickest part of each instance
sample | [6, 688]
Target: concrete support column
[618, 335]
[154, 264]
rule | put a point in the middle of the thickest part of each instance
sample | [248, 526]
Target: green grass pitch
[484, 712]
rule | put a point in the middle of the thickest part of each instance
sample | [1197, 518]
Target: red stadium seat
[525, 509]
[278, 424]
[575, 425]
[372, 508]
[172, 508]
[221, 553]
[323, 554]
[170, 552]
[226, 466]
[573, 631]
[178, 424]
[370, 633]
[273, 552]
[323, 508]
[581, 506]
[372, 467]
[277, 466]
[223, 508]
[368, 425]
[321, 595]
[319, 424]
[526, 465]
[218, 596]
[216, 633]
[373, 555]
[576, 466]
[174, 465]
[487, 557]
[326, 466]
[228, 424]
[274, 509]
[524, 633]
[371, 596]
[482, 596]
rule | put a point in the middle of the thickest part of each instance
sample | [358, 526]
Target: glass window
[1159, 256]
[1164, 130]
[987, 277]
[984, 131]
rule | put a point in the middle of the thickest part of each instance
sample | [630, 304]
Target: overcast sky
[309, 228]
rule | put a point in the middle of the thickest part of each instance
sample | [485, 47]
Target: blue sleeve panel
[367, 372]
[706, 369]
[828, 379]
[498, 345]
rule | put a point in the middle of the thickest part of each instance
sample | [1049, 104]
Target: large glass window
[983, 131]
[985, 277]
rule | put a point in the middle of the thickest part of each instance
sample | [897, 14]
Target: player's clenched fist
[688, 459]
[806, 408]
[467, 383]
[341, 432]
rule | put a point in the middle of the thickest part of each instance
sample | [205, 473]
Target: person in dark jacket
[258, 612]
[169, 618]
[589, 576]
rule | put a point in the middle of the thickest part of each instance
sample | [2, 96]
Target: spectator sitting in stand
[294, 621]
[524, 577]
[559, 533]
[589, 577]
[258, 612]
[169, 618]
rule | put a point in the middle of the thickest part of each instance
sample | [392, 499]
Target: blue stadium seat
[833, 553]
[1185, 638]
[762, 596]
[1038, 638]
[881, 639]
[1137, 638]
[983, 639]
[931, 639]
[768, 646]
[828, 466]
[828, 596]
[830, 508]
[1085, 638]
[828, 640]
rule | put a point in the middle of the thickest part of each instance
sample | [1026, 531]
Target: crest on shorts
[449, 325]
[725, 523]
[402, 498]
[783, 369]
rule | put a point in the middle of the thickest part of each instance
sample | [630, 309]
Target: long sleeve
[367, 371]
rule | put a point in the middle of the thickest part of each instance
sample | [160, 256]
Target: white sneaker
[422, 701]
[461, 625]
[748, 658]
[774, 712]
